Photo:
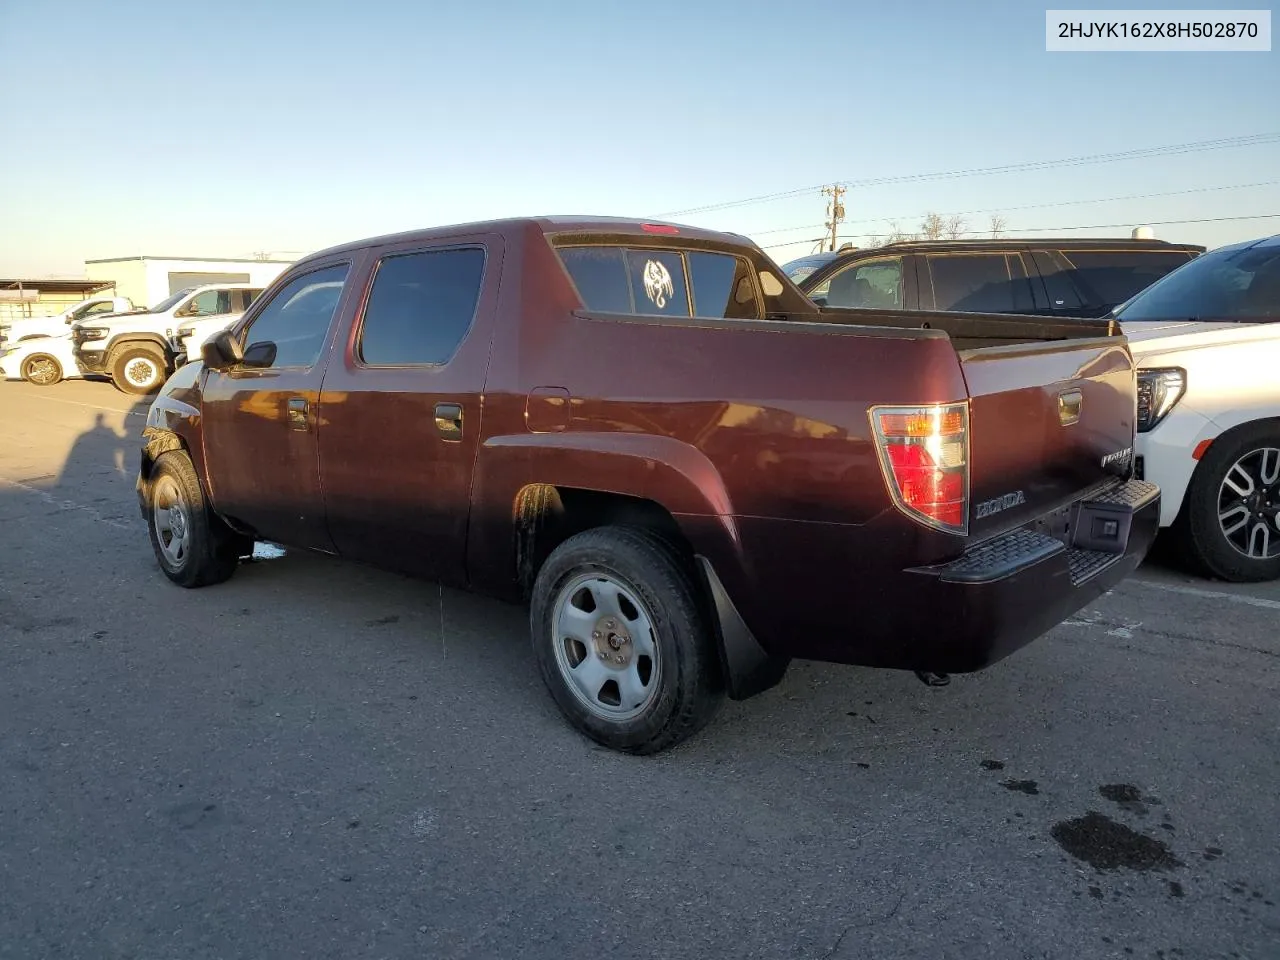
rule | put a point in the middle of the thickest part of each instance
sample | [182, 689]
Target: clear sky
[221, 129]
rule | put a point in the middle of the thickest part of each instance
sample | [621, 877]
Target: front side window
[869, 285]
[665, 283]
[421, 307]
[298, 317]
[209, 303]
[976, 283]
[241, 299]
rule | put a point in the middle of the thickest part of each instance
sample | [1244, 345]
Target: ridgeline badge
[657, 283]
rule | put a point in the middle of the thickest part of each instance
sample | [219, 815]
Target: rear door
[1048, 422]
[401, 406]
[260, 423]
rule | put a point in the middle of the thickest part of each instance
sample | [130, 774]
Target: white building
[148, 280]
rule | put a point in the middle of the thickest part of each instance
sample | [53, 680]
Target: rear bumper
[999, 596]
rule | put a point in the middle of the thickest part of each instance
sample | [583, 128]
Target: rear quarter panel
[755, 435]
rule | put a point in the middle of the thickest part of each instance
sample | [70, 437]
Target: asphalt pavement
[318, 759]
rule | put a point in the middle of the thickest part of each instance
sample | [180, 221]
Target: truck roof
[556, 224]
[1058, 243]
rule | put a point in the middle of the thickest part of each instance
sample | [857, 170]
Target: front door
[260, 421]
[401, 405]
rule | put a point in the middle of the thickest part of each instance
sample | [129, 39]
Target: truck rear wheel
[1230, 522]
[193, 546]
[42, 370]
[138, 368]
[622, 640]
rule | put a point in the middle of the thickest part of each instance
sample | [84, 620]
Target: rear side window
[669, 283]
[421, 307]
[298, 317]
[722, 287]
[1056, 273]
[1110, 277]
[978, 283]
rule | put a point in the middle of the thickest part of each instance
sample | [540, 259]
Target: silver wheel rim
[42, 370]
[141, 371]
[172, 521]
[1249, 504]
[605, 646]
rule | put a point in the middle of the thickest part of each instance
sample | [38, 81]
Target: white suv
[1206, 339]
[136, 349]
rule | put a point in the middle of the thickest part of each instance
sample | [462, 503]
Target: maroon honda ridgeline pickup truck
[691, 471]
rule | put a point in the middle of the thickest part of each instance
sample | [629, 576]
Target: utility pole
[835, 209]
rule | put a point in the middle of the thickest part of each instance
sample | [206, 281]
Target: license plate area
[1103, 527]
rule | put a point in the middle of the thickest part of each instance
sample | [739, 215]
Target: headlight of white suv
[1159, 391]
[93, 333]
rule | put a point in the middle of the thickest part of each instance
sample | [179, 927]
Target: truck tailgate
[1048, 422]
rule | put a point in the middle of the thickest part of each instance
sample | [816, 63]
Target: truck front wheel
[1230, 522]
[138, 368]
[194, 547]
[622, 639]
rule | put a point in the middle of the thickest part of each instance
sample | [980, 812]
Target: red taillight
[925, 454]
[664, 228]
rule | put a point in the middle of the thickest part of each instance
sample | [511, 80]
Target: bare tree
[998, 223]
[935, 226]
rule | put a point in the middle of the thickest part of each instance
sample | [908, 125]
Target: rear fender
[666, 471]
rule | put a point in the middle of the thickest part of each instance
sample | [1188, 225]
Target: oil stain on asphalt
[1105, 844]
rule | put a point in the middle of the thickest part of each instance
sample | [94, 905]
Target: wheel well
[546, 515]
[159, 442]
[125, 343]
[1226, 435]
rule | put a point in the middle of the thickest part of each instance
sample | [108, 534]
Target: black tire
[127, 362]
[689, 688]
[46, 374]
[213, 550]
[1199, 534]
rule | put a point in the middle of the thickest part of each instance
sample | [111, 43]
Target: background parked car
[1062, 278]
[136, 350]
[40, 360]
[57, 324]
[1208, 351]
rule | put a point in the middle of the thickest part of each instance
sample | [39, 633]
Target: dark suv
[1064, 278]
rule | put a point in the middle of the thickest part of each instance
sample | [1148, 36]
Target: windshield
[170, 301]
[797, 270]
[1241, 285]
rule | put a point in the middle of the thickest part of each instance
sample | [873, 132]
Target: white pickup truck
[137, 349]
[1206, 340]
[56, 325]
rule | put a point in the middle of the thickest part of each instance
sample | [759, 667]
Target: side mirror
[222, 351]
[260, 354]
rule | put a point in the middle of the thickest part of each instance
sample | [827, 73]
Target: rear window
[665, 283]
[1109, 277]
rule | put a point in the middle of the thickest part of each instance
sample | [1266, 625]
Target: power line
[1089, 226]
[1251, 140]
[1033, 206]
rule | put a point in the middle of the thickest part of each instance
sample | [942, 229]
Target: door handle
[449, 420]
[297, 412]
